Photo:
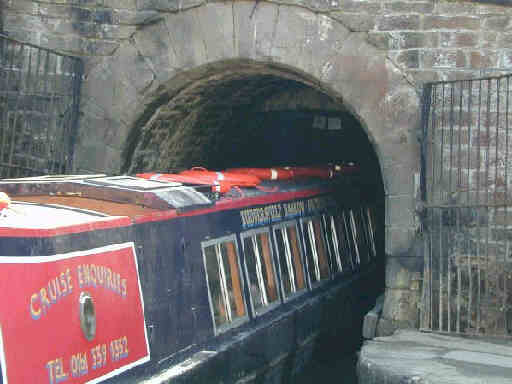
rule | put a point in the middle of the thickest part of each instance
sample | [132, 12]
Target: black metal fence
[39, 100]
[466, 169]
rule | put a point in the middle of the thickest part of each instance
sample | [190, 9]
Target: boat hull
[187, 338]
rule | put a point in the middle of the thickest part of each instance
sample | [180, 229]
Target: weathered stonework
[461, 28]
[153, 59]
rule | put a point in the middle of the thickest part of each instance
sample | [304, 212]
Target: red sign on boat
[71, 318]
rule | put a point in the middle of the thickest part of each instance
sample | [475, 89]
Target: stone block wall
[421, 40]
[429, 40]
[79, 27]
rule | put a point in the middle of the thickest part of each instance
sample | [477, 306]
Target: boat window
[362, 235]
[290, 261]
[371, 233]
[366, 229]
[316, 253]
[354, 235]
[260, 270]
[346, 245]
[224, 282]
[333, 243]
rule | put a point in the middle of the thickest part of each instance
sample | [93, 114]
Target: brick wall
[81, 27]
[469, 214]
[469, 127]
[430, 40]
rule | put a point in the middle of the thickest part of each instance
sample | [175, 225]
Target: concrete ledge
[410, 356]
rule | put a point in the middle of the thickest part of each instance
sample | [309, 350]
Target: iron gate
[467, 207]
[39, 99]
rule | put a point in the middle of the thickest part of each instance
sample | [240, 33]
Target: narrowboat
[197, 276]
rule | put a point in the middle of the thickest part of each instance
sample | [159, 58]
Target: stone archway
[175, 53]
[197, 124]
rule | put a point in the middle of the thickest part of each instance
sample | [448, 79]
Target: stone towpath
[425, 358]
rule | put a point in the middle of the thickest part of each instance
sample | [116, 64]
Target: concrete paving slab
[411, 356]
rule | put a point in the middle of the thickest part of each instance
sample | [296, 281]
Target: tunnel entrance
[237, 118]
[253, 116]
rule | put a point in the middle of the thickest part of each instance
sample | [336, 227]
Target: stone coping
[410, 356]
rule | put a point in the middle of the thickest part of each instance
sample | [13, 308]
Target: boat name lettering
[276, 212]
[263, 215]
[295, 208]
[88, 275]
[319, 204]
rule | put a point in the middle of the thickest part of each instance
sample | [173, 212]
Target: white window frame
[359, 221]
[289, 262]
[353, 227]
[240, 320]
[349, 238]
[252, 234]
[307, 225]
[330, 225]
[364, 225]
[371, 232]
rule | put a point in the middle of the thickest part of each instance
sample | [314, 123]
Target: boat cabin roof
[52, 202]
[115, 195]
[89, 202]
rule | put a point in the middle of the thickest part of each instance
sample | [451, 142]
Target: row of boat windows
[329, 245]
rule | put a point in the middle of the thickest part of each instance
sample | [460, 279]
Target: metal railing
[39, 100]
[466, 164]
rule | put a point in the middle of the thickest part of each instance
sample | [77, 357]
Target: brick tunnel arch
[183, 67]
[246, 113]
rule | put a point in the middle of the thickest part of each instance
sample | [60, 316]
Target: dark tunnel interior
[239, 119]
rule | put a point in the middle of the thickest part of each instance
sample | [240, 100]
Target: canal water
[340, 371]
